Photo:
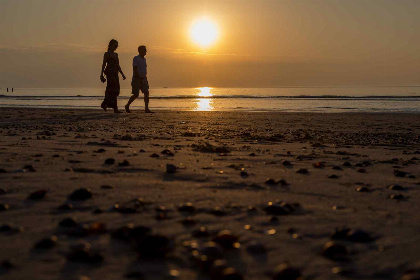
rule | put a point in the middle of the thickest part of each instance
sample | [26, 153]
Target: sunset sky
[260, 43]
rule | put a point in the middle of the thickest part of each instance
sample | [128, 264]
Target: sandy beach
[208, 195]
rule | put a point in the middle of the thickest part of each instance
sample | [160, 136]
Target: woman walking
[111, 68]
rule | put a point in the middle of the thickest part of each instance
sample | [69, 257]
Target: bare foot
[103, 107]
[127, 109]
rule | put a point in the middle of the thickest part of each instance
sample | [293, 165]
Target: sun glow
[206, 103]
[204, 32]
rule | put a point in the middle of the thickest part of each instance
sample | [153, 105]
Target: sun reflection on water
[205, 103]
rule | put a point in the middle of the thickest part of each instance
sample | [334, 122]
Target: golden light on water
[205, 103]
[204, 32]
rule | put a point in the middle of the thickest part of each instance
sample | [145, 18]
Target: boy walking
[139, 81]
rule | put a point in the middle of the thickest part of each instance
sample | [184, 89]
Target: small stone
[109, 161]
[47, 243]
[359, 236]
[347, 164]
[130, 232]
[244, 174]
[29, 168]
[68, 222]
[302, 171]
[318, 165]
[271, 182]
[40, 194]
[340, 233]
[276, 209]
[286, 163]
[107, 187]
[4, 206]
[399, 173]
[256, 248]
[170, 168]
[65, 206]
[397, 196]
[336, 167]
[252, 154]
[188, 221]
[154, 246]
[82, 253]
[361, 170]
[201, 232]
[333, 176]
[396, 187]
[154, 155]
[81, 194]
[187, 207]
[274, 219]
[142, 151]
[167, 152]
[226, 239]
[217, 212]
[286, 272]
[124, 163]
[362, 189]
[334, 251]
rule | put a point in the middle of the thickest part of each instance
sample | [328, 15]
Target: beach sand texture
[280, 183]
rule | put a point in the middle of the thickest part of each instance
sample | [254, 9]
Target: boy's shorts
[139, 84]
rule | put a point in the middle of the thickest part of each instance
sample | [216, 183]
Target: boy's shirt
[141, 65]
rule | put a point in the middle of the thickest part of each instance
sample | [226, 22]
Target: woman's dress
[113, 83]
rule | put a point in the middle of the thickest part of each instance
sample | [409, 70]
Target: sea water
[286, 99]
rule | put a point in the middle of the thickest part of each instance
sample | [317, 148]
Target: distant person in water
[139, 81]
[111, 68]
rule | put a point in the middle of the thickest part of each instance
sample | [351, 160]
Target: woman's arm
[119, 68]
[104, 64]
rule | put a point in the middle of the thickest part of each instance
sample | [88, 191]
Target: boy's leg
[135, 90]
[146, 101]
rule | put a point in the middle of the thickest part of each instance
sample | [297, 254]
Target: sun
[204, 32]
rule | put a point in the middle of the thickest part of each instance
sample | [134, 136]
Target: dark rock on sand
[276, 209]
[170, 168]
[318, 165]
[302, 171]
[226, 239]
[334, 251]
[256, 248]
[360, 236]
[333, 176]
[4, 206]
[81, 194]
[109, 161]
[10, 229]
[244, 174]
[154, 246]
[29, 168]
[286, 272]
[65, 206]
[217, 211]
[201, 232]
[397, 197]
[286, 163]
[107, 187]
[362, 189]
[167, 152]
[347, 164]
[124, 163]
[46, 243]
[271, 182]
[68, 222]
[188, 221]
[83, 253]
[187, 207]
[396, 187]
[154, 155]
[39, 194]
[399, 173]
[129, 232]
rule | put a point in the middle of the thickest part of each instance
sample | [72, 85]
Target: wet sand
[335, 196]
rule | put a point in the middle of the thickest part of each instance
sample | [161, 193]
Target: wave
[334, 97]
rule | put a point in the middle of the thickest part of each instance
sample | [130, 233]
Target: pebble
[188, 221]
[29, 168]
[360, 236]
[286, 163]
[399, 173]
[396, 187]
[334, 251]
[302, 171]
[154, 246]
[187, 207]
[347, 164]
[256, 248]
[107, 187]
[335, 167]
[286, 272]
[167, 152]
[318, 165]
[83, 253]
[46, 243]
[244, 174]
[65, 206]
[361, 170]
[276, 209]
[81, 194]
[10, 229]
[109, 161]
[68, 222]
[226, 239]
[397, 196]
[39, 194]
[333, 176]
[154, 155]
[170, 168]
[124, 163]
[4, 206]
[130, 232]
[217, 211]
[201, 232]
[271, 182]
[362, 189]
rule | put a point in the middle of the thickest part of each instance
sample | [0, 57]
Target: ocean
[286, 99]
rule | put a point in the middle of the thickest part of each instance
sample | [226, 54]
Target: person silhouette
[7, 89]
[12, 89]
[111, 68]
[139, 81]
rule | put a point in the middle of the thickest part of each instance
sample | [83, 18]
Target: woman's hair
[112, 42]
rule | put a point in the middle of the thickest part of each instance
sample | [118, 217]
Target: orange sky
[262, 43]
